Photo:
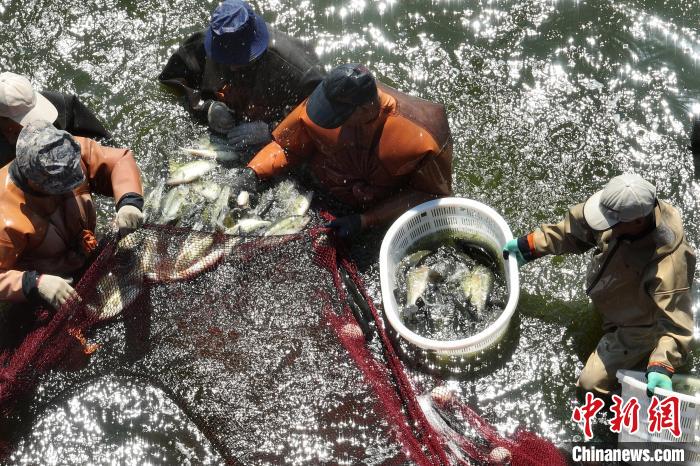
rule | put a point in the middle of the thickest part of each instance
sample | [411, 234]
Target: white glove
[55, 290]
[128, 219]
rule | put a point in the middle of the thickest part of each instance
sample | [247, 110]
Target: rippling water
[547, 100]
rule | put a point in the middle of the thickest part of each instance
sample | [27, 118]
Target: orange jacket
[51, 242]
[407, 146]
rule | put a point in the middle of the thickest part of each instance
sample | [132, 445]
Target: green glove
[657, 379]
[511, 247]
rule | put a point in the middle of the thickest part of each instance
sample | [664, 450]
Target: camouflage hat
[49, 158]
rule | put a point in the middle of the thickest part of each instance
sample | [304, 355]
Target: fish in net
[255, 340]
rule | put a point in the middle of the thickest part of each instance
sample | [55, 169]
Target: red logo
[585, 413]
[626, 415]
[664, 415]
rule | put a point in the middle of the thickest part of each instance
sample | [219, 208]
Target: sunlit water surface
[547, 100]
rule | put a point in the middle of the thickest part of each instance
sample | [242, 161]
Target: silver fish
[173, 202]
[213, 154]
[247, 226]
[209, 191]
[417, 282]
[299, 204]
[190, 172]
[476, 286]
[194, 246]
[113, 295]
[220, 209]
[288, 226]
[151, 205]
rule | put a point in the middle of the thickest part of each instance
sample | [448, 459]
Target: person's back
[18, 99]
[258, 72]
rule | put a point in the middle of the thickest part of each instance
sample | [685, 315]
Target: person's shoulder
[194, 40]
[291, 50]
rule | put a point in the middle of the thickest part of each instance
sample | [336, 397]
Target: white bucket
[634, 385]
[464, 217]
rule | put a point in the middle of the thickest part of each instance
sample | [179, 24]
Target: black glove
[346, 227]
[246, 181]
[220, 117]
[249, 136]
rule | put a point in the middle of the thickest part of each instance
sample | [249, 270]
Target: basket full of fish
[445, 286]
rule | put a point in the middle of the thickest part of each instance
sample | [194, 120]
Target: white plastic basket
[463, 217]
[634, 385]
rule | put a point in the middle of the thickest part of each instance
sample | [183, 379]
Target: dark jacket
[73, 116]
[266, 90]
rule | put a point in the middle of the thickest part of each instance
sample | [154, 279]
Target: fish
[209, 191]
[213, 154]
[114, 293]
[476, 285]
[220, 208]
[417, 282]
[151, 205]
[173, 202]
[288, 225]
[299, 204]
[243, 199]
[190, 172]
[195, 245]
[247, 226]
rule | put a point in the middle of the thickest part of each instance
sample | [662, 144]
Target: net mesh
[256, 342]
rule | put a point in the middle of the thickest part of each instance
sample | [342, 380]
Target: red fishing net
[255, 340]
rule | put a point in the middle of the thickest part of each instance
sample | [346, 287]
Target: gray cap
[624, 198]
[49, 158]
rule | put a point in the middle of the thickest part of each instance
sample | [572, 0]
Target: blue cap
[344, 89]
[236, 35]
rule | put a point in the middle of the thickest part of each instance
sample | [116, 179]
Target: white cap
[19, 101]
[625, 198]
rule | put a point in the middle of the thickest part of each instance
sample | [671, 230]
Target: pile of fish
[198, 195]
[451, 292]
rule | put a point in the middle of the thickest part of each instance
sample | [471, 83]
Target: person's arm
[11, 280]
[570, 236]
[112, 172]
[184, 72]
[670, 290]
[290, 144]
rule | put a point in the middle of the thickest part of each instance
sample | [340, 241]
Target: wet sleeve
[110, 171]
[570, 236]
[434, 174]
[184, 71]
[10, 280]
[670, 291]
[290, 145]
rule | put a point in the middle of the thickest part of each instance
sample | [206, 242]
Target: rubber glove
[246, 181]
[511, 247]
[220, 118]
[657, 379]
[249, 136]
[55, 290]
[128, 219]
[346, 227]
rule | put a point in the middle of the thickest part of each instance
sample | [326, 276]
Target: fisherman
[258, 72]
[20, 104]
[373, 148]
[639, 279]
[47, 213]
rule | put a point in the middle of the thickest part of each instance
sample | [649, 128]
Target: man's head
[48, 159]
[236, 35]
[347, 95]
[20, 105]
[624, 204]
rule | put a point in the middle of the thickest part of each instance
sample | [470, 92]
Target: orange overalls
[406, 151]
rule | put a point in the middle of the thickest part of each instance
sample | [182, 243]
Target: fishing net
[256, 340]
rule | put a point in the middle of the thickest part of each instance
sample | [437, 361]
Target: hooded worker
[20, 105]
[242, 74]
[639, 279]
[375, 149]
[47, 214]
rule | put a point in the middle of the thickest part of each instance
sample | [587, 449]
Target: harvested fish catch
[218, 155]
[451, 291]
[288, 226]
[190, 172]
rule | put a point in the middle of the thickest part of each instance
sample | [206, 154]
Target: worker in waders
[47, 213]
[639, 279]
[243, 76]
[20, 104]
[373, 148]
